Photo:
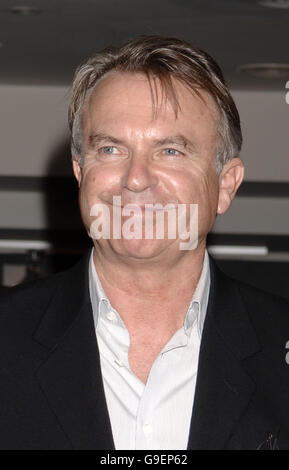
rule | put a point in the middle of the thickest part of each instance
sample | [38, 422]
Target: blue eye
[172, 152]
[108, 150]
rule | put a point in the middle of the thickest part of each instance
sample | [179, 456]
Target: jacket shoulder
[35, 295]
[22, 306]
[267, 311]
[27, 295]
[260, 297]
[21, 310]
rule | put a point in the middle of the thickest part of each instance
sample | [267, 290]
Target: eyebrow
[100, 137]
[178, 139]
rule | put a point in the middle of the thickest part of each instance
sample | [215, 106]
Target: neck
[151, 298]
[149, 280]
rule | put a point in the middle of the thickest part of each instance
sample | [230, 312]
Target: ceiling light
[265, 70]
[25, 244]
[274, 3]
[238, 250]
[25, 10]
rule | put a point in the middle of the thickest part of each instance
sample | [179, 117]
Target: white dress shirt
[155, 415]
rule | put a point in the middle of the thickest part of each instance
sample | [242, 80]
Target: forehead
[121, 97]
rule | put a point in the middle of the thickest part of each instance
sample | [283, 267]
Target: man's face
[146, 157]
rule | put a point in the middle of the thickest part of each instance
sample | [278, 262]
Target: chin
[140, 249]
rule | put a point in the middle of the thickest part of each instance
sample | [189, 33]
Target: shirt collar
[198, 305]
[100, 303]
[197, 308]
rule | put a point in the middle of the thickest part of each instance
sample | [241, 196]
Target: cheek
[208, 191]
[88, 191]
[200, 186]
[192, 185]
[178, 183]
[97, 182]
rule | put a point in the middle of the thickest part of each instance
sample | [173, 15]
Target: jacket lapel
[223, 388]
[71, 376]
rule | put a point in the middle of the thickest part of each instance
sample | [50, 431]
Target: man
[145, 344]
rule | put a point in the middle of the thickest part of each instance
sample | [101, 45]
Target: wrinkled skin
[141, 160]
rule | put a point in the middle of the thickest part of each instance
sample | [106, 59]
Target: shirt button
[147, 429]
[111, 316]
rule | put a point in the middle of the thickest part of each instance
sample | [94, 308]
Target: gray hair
[164, 58]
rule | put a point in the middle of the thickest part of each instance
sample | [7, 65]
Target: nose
[139, 175]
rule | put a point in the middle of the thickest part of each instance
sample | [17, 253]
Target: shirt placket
[147, 420]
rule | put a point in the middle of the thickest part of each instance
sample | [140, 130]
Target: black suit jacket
[51, 391]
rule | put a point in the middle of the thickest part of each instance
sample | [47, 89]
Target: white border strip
[25, 244]
[238, 250]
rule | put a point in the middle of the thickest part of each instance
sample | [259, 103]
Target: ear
[230, 179]
[76, 168]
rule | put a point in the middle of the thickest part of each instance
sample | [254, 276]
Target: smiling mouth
[149, 206]
[143, 208]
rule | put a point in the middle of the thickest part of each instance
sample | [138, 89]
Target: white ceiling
[47, 47]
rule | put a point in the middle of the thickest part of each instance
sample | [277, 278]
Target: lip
[142, 208]
[147, 206]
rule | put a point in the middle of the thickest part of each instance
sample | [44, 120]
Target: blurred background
[41, 44]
